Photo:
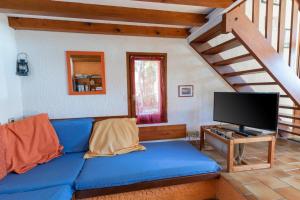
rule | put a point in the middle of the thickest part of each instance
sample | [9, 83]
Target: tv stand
[231, 140]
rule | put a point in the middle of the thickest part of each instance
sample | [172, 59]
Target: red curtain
[147, 74]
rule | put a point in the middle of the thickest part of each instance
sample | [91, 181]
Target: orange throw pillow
[30, 142]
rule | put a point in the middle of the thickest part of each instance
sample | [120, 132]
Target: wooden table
[239, 139]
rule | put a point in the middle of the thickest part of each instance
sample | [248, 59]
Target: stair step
[253, 84]
[289, 124]
[238, 73]
[289, 107]
[212, 33]
[289, 116]
[285, 129]
[230, 44]
[233, 60]
[284, 96]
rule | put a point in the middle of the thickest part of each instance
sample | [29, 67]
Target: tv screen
[256, 110]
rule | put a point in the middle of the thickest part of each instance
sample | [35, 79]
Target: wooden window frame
[130, 99]
[71, 90]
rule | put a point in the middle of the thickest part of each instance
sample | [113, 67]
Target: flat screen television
[256, 110]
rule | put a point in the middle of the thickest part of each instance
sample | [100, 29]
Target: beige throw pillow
[114, 136]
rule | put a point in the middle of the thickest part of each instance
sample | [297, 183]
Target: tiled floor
[279, 183]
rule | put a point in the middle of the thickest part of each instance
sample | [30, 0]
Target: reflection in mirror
[86, 73]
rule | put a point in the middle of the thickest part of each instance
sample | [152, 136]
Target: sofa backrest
[74, 134]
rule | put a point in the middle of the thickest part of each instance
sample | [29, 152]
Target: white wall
[10, 83]
[45, 90]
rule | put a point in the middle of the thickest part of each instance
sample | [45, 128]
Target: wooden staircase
[257, 58]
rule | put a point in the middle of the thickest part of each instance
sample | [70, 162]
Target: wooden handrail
[238, 23]
[293, 57]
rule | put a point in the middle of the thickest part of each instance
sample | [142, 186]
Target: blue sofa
[59, 178]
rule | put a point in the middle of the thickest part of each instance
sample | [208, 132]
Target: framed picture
[185, 91]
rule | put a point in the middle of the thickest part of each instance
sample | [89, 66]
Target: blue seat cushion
[59, 171]
[74, 134]
[159, 161]
[64, 192]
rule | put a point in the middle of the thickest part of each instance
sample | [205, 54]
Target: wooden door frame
[131, 112]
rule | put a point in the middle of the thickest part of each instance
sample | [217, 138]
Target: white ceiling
[146, 5]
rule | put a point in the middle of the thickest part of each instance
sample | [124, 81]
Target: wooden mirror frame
[71, 89]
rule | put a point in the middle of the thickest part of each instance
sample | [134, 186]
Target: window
[147, 87]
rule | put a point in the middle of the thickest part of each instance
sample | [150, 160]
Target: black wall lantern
[22, 64]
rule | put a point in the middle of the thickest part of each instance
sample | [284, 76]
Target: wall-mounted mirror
[86, 72]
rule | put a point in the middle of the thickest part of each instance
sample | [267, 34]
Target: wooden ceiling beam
[204, 3]
[95, 28]
[100, 12]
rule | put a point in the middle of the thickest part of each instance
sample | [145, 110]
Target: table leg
[230, 155]
[271, 151]
[202, 133]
